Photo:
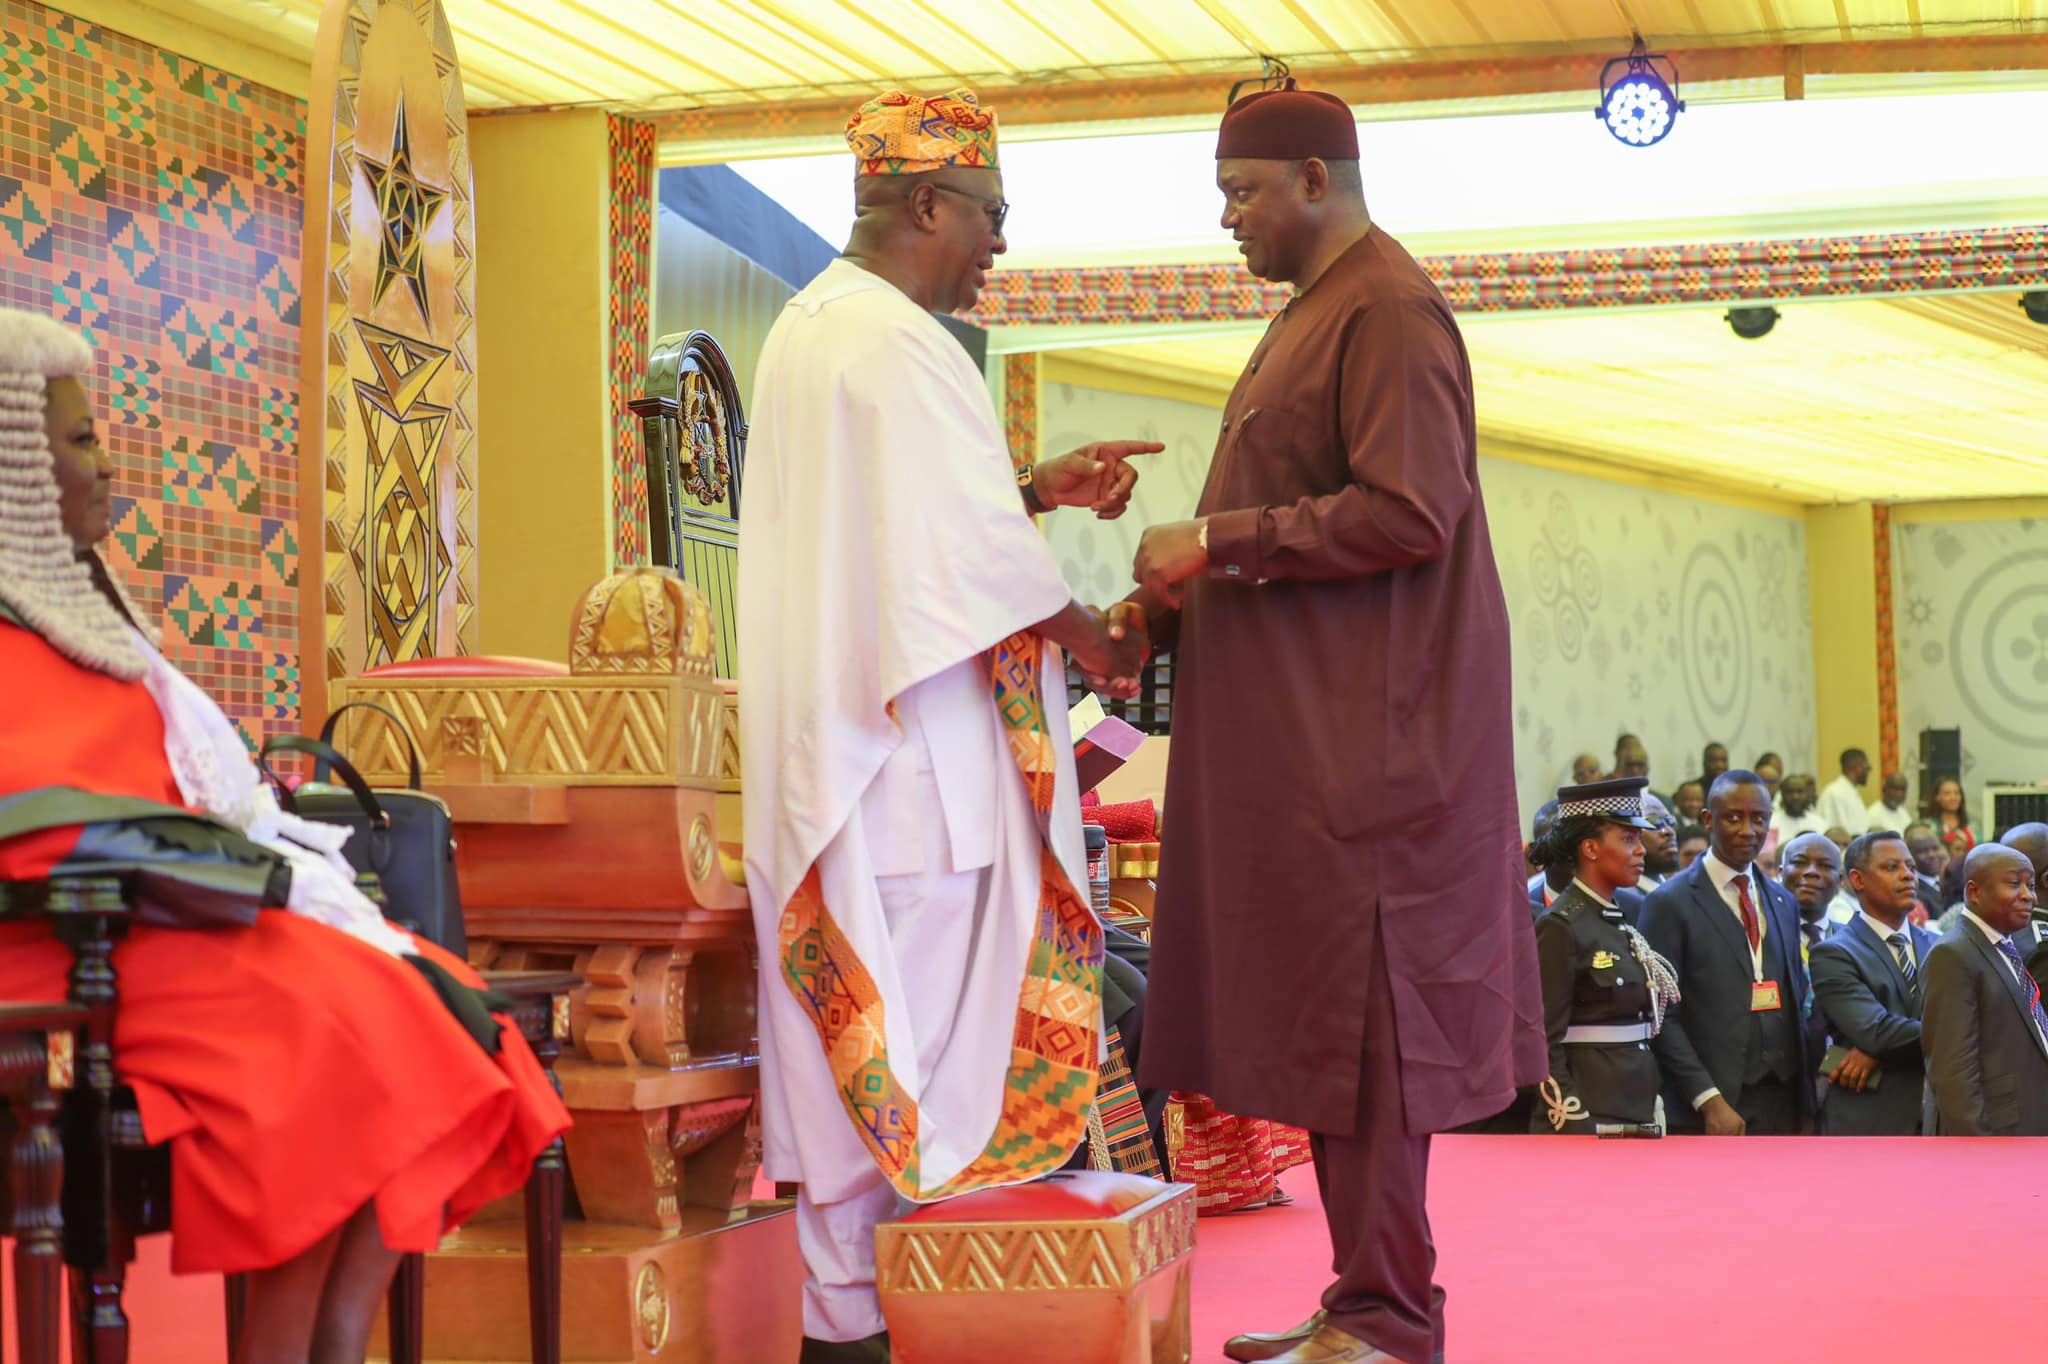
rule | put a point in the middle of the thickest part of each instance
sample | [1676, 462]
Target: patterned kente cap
[900, 134]
[1619, 800]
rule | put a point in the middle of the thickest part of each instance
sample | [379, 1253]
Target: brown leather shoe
[1328, 1345]
[1255, 1346]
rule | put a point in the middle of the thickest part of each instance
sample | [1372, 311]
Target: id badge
[1763, 996]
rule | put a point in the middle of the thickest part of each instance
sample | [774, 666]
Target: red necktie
[1749, 923]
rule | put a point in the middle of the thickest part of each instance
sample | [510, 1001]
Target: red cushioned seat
[473, 665]
[1066, 1197]
[1131, 821]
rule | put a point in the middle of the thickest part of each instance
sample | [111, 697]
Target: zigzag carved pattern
[1015, 1259]
[619, 731]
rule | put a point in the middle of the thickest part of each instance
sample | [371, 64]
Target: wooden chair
[37, 1044]
[116, 1187]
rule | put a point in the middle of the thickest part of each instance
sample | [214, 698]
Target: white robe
[882, 543]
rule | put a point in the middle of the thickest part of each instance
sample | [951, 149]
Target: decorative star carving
[406, 206]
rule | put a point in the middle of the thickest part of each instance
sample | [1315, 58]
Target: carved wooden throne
[597, 805]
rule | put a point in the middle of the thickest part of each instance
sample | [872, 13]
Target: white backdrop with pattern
[1970, 607]
[1632, 610]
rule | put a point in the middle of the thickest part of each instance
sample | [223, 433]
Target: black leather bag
[403, 837]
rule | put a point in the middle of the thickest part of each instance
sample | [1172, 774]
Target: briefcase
[402, 836]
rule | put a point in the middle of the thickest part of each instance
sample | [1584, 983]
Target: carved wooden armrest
[540, 1006]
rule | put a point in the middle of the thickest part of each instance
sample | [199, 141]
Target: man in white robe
[930, 977]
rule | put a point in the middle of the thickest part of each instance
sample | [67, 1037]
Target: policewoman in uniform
[1604, 989]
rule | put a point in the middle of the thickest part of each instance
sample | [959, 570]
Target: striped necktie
[1902, 953]
[2027, 985]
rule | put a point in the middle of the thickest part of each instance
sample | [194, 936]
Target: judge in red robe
[1348, 946]
[324, 1109]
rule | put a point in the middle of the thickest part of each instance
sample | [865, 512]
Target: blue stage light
[1640, 107]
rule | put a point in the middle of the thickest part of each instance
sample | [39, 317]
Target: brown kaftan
[1341, 739]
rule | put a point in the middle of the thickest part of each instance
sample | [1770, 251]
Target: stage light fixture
[2036, 304]
[1640, 105]
[1751, 323]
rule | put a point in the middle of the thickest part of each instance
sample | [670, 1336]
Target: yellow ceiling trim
[1609, 471]
[939, 17]
[471, 41]
[1023, 11]
[1480, 32]
[1242, 36]
[1476, 80]
[1152, 381]
[632, 40]
[1972, 509]
[1309, 22]
[859, 67]
[239, 49]
[603, 55]
[796, 77]
[1109, 12]
[1407, 33]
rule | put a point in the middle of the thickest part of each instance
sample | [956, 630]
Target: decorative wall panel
[1972, 625]
[1548, 281]
[153, 204]
[389, 460]
[1681, 620]
[1020, 409]
[1887, 643]
[632, 260]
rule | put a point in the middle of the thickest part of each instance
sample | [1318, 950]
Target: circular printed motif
[1714, 643]
[1566, 578]
[1998, 647]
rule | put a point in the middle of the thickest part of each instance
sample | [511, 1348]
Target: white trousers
[933, 919]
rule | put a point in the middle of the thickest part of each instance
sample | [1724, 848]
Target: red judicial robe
[296, 1072]
[1342, 750]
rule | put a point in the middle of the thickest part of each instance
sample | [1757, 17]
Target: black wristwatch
[1033, 503]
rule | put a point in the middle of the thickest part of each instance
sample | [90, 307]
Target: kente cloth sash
[1050, 1085]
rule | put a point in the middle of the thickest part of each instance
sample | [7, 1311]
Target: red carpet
[1786, 1251]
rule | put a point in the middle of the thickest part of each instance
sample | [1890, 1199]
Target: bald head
[1811, 868]
[1998, 886]
[2030, 841]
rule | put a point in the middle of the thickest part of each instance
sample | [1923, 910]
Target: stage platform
[1765, 1251]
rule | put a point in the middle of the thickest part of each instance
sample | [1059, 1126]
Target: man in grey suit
[1866, 984]
[1733, 1052]
[1983, 1030]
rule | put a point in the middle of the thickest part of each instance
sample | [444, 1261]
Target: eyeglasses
[998, 210]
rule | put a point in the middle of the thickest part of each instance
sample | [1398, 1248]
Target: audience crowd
[1911, 1005]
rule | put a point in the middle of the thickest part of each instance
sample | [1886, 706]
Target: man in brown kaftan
[1344, 941]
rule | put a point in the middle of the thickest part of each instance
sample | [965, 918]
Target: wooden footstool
[1086, 1268]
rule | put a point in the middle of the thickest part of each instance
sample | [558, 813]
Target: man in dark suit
[1983, 1030]
[1866, 986]
[1734, 1051]
[2031, 842]
[1930, 860]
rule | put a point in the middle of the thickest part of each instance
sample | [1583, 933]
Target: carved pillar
[388, 358]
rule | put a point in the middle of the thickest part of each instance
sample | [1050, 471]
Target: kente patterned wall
[1632, 610]
[1971, 615]
[153, 203]
[632, 265]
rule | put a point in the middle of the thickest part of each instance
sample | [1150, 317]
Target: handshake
[1112, 658]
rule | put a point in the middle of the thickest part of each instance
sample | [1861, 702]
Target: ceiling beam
[1050, 100]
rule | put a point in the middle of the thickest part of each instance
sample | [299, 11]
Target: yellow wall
[1841, 565]
[544, 443]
